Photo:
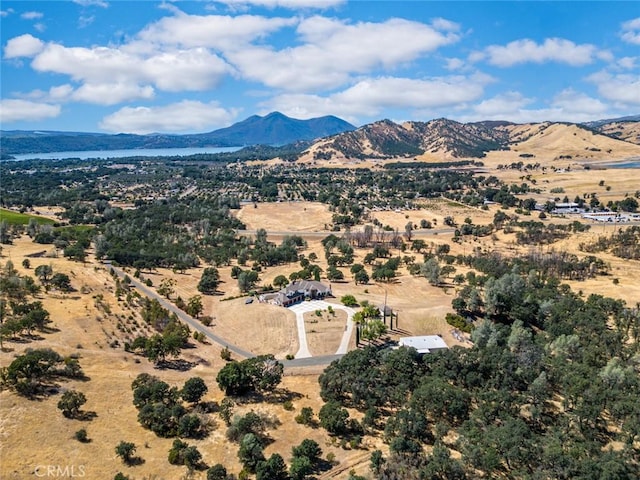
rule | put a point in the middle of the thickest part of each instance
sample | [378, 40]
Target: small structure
[424, 344]
[297, 291]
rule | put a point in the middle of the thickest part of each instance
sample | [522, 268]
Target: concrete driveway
[301, 308]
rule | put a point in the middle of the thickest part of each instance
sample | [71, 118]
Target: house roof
[305, 285]
[424, 343]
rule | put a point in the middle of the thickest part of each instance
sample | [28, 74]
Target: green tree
[431, 271]
[71, 402]
[300, 468]
[193, 390]
[247, 280]
[333, 418]
[61, 281]
[28, 371]
[194, 306]
[190, 426]
[273, 468]
[167, 287]
[209, 281]
[81, 436]
[44, 272]
[308, 448]
[280, 281]
[361, 277]
[251, 452]
[125, 451]
[217, 472]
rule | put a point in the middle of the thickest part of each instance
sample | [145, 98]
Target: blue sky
[184, 66]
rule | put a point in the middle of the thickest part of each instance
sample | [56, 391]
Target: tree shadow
[135, 461]
[177, 364]
[86, 416]
[207, 407]
[280, 395]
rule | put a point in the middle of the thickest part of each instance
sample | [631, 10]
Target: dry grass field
[324, 331]
[286, 216]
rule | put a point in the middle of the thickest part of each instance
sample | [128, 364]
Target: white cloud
[14, 110]
[622, 88]
[291, 4]
[111, 93]
[23, 46]
[171, 70]
[551, 50]
[566, 106]
[84, 22]
[89, 3]
[445, 25]
[369, 97]
[628, 63]
[506, 103]
[31, 15]
[60, 92]
[178, 117]
[7, 12]
[454, 64]
[578, 104]
[41, 27]
[334, 50]
[631, 31]
[212, 31]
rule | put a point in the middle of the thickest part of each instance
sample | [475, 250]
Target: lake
[136, 152]
[632, 163]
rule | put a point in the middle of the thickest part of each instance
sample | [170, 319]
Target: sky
[196, 66]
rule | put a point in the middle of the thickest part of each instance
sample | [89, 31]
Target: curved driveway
[301, 308]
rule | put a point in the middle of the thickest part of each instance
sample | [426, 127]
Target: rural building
[612, 216]
[424, 344]
[297, 291]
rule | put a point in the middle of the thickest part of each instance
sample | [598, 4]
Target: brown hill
[627, 131]
[444, 140]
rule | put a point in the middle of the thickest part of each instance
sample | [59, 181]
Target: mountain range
[443, 140]
[272, 129]
[334, 139]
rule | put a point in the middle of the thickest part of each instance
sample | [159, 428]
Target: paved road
[188, 319]
[196, 325]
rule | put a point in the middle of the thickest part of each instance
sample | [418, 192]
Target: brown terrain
[34, 434]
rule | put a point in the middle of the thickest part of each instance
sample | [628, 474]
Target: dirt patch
[286, 216]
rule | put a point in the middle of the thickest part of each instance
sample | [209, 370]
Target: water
[625, 164]
[634, 164]
[136, 152]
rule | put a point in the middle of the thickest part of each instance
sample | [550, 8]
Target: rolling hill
[444, 140]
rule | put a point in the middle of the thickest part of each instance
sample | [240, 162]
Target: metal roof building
[425, 343]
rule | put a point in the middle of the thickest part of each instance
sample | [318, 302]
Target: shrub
[349, 301]
[458, 322]
[81, 436]
[305, 417]
[225, 354]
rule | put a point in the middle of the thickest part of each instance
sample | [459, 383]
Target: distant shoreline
[124, 153]
[633, 162]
